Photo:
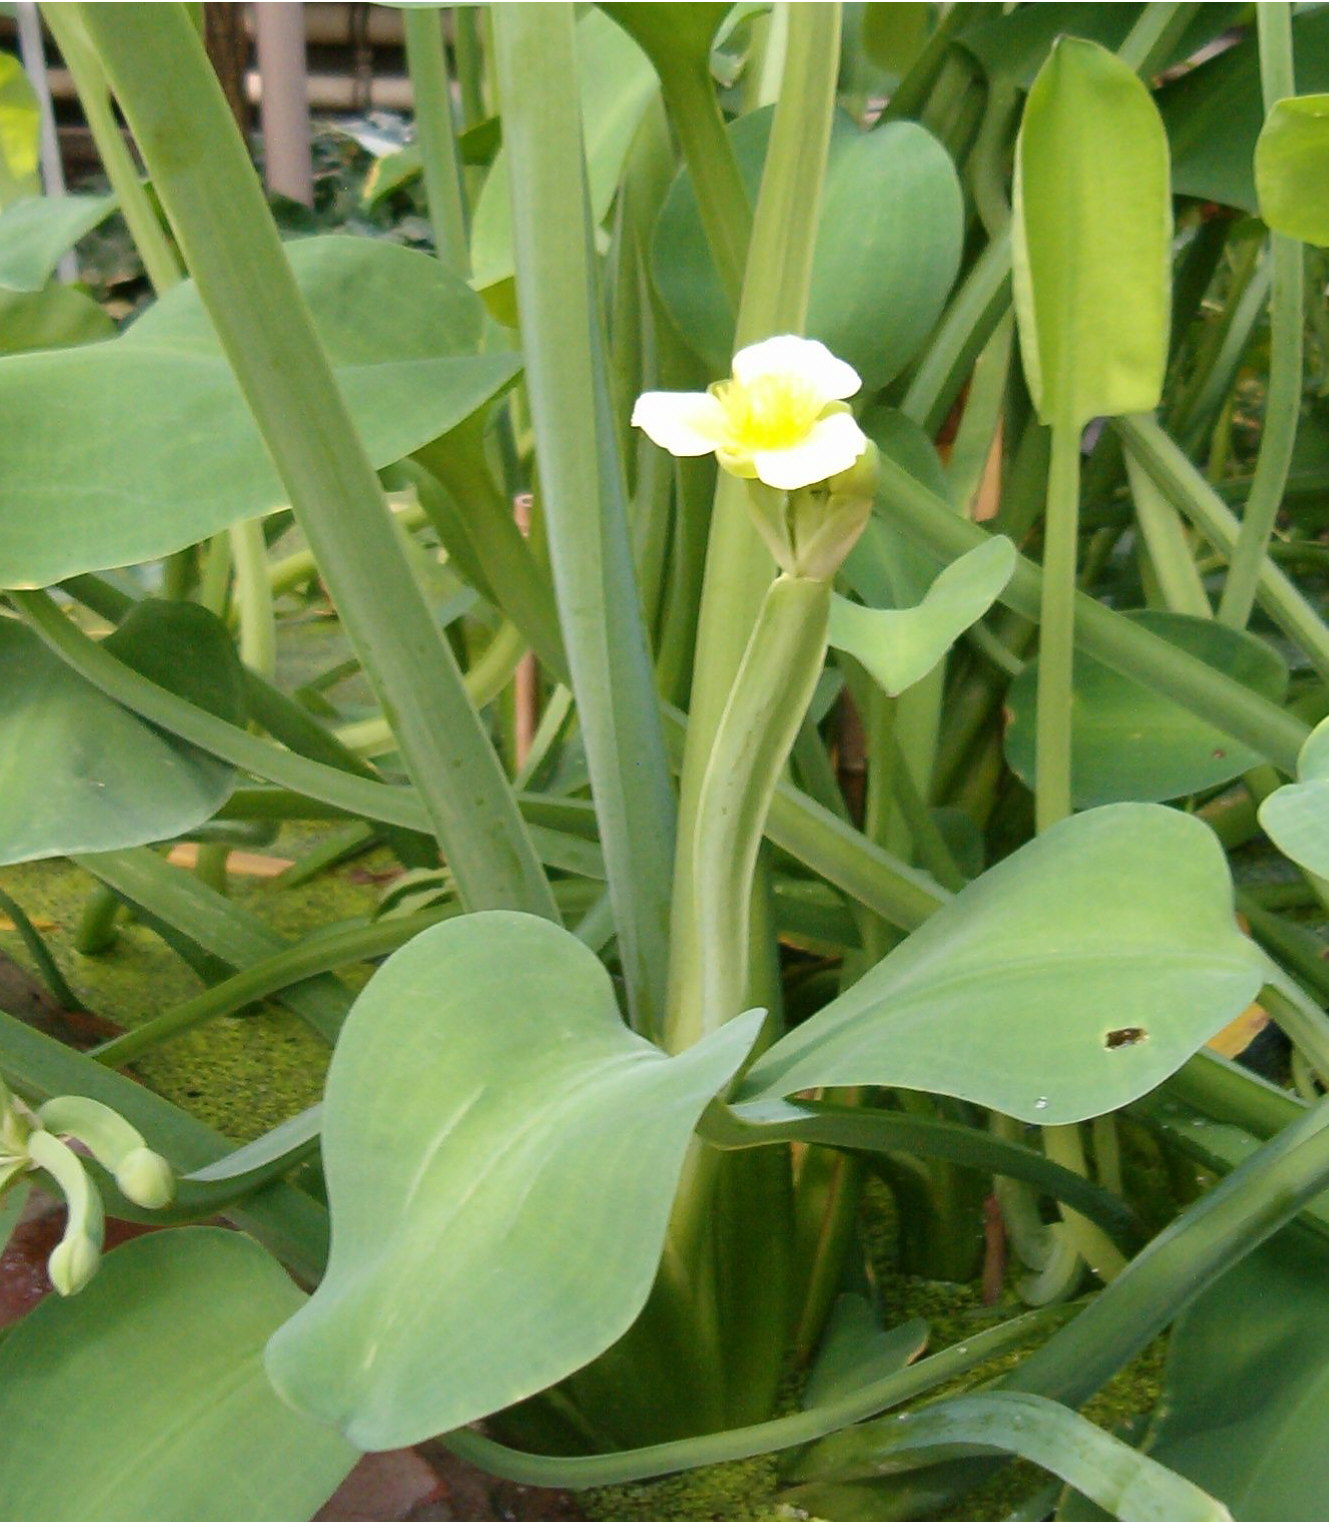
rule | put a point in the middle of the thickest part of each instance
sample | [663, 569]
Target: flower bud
[146, 1178]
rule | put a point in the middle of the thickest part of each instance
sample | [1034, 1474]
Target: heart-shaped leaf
[144, 1396]
[1131, 743]
[899, 646]
[124, 451]
[501, 1156]
[1093, 310]
[80, 773]
[1296, 817]
[1068, 980]
[890, 234]
[37, 232]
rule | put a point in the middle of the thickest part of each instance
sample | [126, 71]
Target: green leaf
[674, 36]
[1246, 1392]
[857, 1350]
[1014, 45]
[80, 773]
[144, 1396]
[20, 131]
[1129, 742]
[1068, 980]
[894, 34]
[1134, 1487]
[616, 82]
[501, 1155]
[1296, 817]
[37, 232]
[58, 317]
[1214, 113]
[1092, 307]
[899, 646]
[165, 452]
[1292, 169]
[889, 239]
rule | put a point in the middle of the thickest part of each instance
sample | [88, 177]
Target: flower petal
[807, 358]
[833, 445]
[683, 422]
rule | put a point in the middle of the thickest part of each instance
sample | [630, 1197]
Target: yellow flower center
[771, 412]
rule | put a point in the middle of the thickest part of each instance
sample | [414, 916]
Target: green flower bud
[146, 1178]
[73, 1261]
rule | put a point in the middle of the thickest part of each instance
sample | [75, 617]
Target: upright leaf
[1292, 169]
[145, 1396]
[19, 133]
[501, 1155]
[37, 232]
[1092, 229]
[1068, 980]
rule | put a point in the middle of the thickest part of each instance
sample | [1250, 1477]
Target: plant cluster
[831, 545]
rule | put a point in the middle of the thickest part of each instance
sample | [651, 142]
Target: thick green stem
[1115, 641]
[1195, 498]
[722, 200]
[1287, 301]
[253, 597]
[153, 245]
[583, 492]
[775, 295]
[432, 96]
[1056, 638]
[203, 177]
[771, 692]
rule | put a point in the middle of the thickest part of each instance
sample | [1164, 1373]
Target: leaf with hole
[126, 451]
[501, 1156]
[1067, 981]
[1129, 742]
[80, 773]
[144, 1396]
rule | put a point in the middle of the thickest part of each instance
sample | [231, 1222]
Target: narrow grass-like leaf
[144, 1396]
[1068, 980]
[584, 495]
[1131, 1486]
[501, 1155]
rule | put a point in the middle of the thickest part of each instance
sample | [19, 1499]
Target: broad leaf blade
[1091, 233]
[55, 318]
[890, 235]
[37, 232]
[1130, 743]
[19, 132]
[1068, 980]
[1292, 169]
[1296, 817]
[501, 1155]
[78, 772]
[164, 451]
[899, 646]
[145, 1396]
[1246, 1392]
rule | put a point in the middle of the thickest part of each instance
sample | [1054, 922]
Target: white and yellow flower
[781, 419]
